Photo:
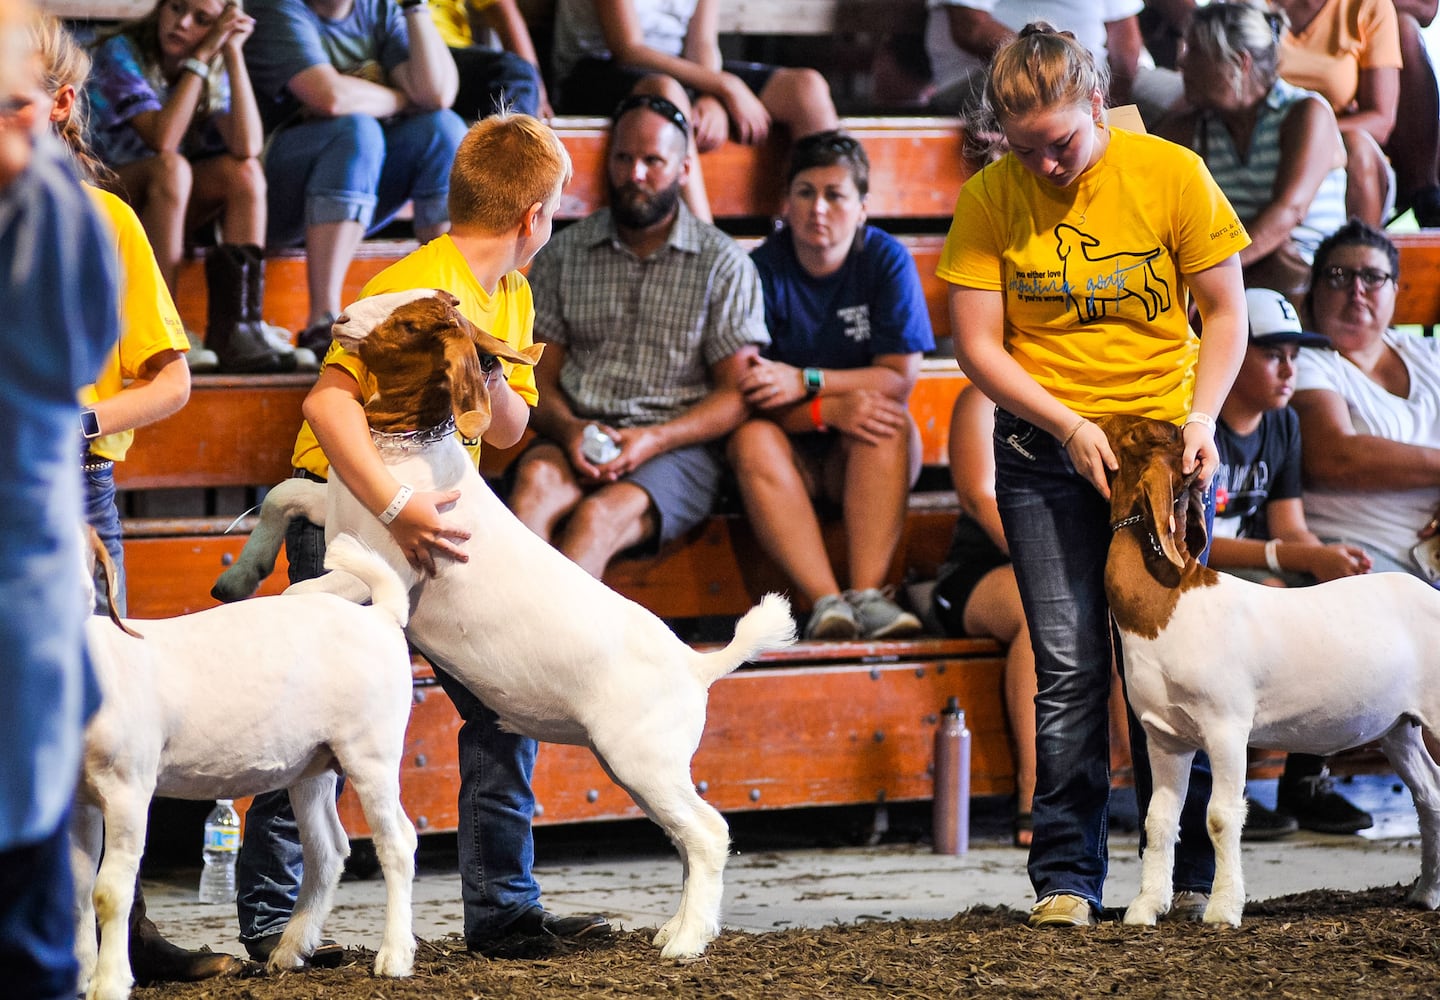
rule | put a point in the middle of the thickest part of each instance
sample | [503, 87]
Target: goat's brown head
[1152, 497]
[429, 362]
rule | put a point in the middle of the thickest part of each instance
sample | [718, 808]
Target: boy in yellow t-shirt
[504, 189]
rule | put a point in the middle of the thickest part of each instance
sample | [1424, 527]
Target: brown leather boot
[155, 960]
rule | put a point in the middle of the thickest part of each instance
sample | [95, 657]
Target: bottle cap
[952, 704]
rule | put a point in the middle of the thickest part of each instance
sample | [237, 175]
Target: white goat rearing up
[554, 652]
[278, 692]
[1216, 663]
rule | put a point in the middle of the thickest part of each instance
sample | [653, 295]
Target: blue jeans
[496, 846]
[37, 918]
[490, 80]
[355, 168]
[102, 514]
[1057, 526]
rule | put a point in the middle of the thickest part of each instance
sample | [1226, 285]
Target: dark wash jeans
[1058, 528]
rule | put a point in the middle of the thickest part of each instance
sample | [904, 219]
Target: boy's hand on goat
[422, 533]
[1200, 453]
[1090, 453]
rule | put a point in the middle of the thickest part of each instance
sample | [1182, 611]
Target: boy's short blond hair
[505, 164]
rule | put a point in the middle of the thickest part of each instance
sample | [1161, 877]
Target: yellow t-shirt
[509, 314]
[1095, 304]
[149, 322]
[452, 20]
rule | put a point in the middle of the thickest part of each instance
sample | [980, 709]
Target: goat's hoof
[684, 946]
[1220, 912]
[666, 932]
[231, 587]
[1142, 914]
[1427, 897]
[396, 963]
[100, 989]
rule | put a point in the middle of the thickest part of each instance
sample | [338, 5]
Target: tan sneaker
[1187, 904]
[1062, 910]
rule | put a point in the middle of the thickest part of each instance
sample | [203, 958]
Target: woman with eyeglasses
[829, 420]
[1273, 148]
[173, 115]
[1071, 261]
[1370, 409]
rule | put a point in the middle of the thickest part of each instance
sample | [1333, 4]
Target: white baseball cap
[1273, 320]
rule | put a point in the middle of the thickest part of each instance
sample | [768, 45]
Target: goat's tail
[290, 499]
[388, 594]
[766, 626]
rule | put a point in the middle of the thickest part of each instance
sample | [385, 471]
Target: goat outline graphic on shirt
[1095, 285]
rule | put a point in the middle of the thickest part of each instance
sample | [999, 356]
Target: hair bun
[1044, 28]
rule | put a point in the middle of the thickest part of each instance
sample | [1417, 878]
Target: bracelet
[813, 379]
[402, 496]
[1065, 443]
[815, 417]
[1272, 556]
[199, 68]
[1203, 419]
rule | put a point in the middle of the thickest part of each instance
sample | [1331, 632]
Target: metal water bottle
[952, 781]
[222, 845]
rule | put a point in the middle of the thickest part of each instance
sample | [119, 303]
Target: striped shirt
[1250, 184]
[640, 335]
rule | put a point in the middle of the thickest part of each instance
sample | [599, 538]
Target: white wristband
[402, 497]
[1203, 419]
[1272, 557]
[196, 66]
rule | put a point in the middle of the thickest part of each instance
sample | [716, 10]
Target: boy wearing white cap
[1260, 531]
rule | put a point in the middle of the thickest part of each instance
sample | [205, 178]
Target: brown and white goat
[1216, 663]
[554, 652]
[278, 692]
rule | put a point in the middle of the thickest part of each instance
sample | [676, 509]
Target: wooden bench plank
[775, 737]
[1417, 297]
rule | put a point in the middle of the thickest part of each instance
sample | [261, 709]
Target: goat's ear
[1158, 498]
[469, 399]
[495, 347]
[1195, 535]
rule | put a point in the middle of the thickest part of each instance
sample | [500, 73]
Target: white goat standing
[278, 692]
[1216, 663]
[554, 652]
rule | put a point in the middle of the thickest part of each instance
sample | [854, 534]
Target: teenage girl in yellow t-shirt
[1071, 259]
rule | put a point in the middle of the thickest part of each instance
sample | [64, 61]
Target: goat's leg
[289, 499]
[1170, 769]
[1224, 818]
[87, 827]
[1405, 748]
[659, 781]
[378, 788]
[324, 848]
[125, 813]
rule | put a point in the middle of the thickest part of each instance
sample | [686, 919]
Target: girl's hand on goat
[421, 532]
[1090, 453]
[1200, 455]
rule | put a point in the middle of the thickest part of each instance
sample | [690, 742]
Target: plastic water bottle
[952, 781]
[222, 844]
[597, 446]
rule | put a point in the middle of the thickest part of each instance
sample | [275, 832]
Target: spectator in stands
[504, 189]
[1260, 531]
[50, 343]
[1273, 148]
[1162, 26]
[649, 317]
[1349, 51]
[174, 117]
[961, 36]
[355, 96]
[1414, 146]
[491, 80]
[1370, 409]
[144, 379]
[1369, 417]
[605, 49]
[1071, 190]
[848, 326]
